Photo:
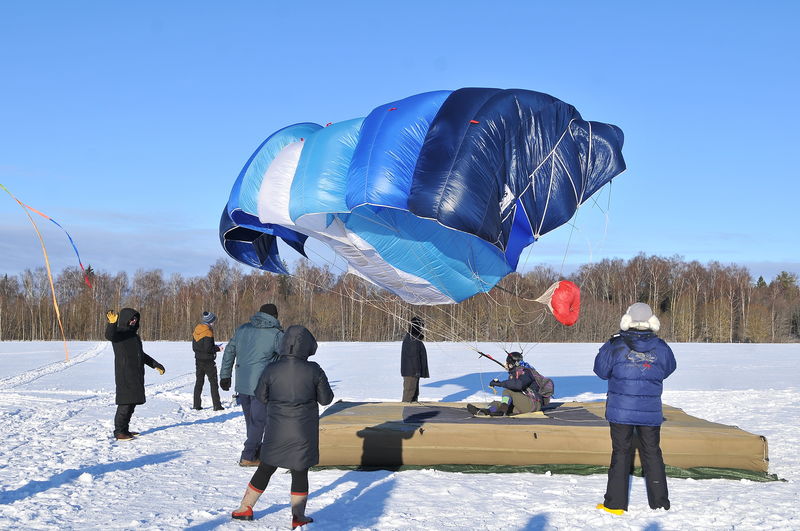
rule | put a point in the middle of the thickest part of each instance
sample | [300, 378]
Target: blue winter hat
[209, 318]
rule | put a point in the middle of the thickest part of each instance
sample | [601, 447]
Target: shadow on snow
[217, 418]
[35, 487]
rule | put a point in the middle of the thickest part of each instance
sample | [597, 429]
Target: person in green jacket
[254, 345]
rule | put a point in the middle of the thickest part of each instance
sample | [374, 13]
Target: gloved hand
[495, 382]
[111, 316]
[160, 368]
[225, 384]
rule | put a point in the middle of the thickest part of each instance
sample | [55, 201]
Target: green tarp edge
[580, 470]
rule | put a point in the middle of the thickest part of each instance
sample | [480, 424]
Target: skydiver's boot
[497, 409]
[245, 510]
[299, 517]
[618, 512]
[477, 411]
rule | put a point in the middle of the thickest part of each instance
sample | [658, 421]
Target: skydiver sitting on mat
[525, 390]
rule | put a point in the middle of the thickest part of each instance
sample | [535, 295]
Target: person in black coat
[129, 361]
[413, 360]
[291, 387]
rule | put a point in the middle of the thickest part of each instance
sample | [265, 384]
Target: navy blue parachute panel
[490, 153]
[437, 190]
[254, 248]
[600, 152]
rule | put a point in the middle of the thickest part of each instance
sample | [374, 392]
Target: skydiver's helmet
[513, 359]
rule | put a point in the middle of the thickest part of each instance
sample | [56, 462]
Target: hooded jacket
[413, 356]
[253, 346]
[129, 358]
[291, 388]
[635, 363]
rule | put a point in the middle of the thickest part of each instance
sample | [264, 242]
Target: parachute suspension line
[356, 297]
[550, 154]
[569, 241]
[49, 272]
[440, 329]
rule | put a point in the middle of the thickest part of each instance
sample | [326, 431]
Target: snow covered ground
[60, 469]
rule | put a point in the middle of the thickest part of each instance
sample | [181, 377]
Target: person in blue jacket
[254, 345]
[635, 362]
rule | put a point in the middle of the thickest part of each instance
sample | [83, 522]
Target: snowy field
[60, 469]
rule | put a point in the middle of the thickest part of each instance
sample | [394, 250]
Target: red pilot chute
[564, 300]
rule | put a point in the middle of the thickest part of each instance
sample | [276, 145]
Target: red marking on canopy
[393, 109]
[474, 122]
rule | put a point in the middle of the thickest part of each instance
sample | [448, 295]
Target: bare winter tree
[695, 302]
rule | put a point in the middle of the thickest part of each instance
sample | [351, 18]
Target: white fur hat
[640, 317]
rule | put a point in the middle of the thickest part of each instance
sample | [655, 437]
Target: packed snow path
[60, 468]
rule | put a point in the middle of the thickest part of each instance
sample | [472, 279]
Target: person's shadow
[209, 420]
[35, 486]
[382, 445]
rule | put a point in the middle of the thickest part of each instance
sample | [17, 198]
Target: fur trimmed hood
[640, 317]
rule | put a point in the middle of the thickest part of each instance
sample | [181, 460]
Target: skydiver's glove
[495, 383]
[111, 316]
[160, 368]
[225, 384]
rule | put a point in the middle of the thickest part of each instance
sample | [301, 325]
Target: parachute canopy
[432, 197]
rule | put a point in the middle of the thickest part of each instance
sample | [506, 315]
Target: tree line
[695, 303]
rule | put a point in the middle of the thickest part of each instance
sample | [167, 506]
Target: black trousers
[123, 418]
[625, 439]
[205, 369]
[263, 473]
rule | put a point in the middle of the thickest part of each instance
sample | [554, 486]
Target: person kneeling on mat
[524, 391]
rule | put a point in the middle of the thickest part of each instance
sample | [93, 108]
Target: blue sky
[128, 122]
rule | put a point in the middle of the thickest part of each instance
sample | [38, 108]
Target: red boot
[246, 514]
[245, 510]
[297, 523]
[299, 517]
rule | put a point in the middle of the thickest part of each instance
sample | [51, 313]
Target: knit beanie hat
[209, 318]
[269, 309]
[640, 317]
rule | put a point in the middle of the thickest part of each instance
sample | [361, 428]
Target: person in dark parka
[129, 361]
[413, 360]
[635, 362]
[291, 387]
[205, 353]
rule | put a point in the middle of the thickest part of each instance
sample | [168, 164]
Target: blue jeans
[255, 418]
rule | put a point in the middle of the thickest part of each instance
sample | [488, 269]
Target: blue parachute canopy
[432, 197]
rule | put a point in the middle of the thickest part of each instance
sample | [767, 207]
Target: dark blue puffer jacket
[635, 363]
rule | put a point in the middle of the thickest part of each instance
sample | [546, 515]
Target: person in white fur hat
[635, 362]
